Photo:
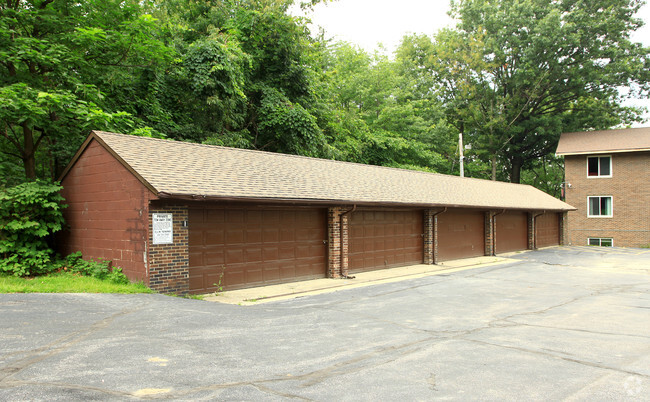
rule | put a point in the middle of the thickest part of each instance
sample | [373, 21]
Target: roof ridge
[276, 154]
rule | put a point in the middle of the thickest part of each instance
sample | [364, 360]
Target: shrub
[100, 268]
[29, 213]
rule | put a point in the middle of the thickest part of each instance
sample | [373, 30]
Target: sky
[367, 23]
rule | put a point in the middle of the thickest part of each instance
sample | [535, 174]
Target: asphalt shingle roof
[181, 169]
[604, 141]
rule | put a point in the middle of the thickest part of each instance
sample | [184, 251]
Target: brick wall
[429, 236]
[334, 233]
[106, 213]
[489, 232]
[564, 233]
[168, 264]
[629, 187]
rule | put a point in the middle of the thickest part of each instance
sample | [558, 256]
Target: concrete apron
[284, 291]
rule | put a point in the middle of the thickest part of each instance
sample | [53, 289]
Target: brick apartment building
[607, 175]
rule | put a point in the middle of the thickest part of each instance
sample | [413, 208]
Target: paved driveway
[560, 323]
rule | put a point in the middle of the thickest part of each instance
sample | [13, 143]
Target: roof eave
[311, 201]
[600, 152]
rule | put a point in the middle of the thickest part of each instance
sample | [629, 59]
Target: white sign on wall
[163, 229]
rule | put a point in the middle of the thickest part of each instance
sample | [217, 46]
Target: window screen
[599, 166]
[600, 206]
[601, 241]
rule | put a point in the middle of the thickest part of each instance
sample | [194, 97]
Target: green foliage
[515, 74]
[511, 76]
[100, 269]
[29, 213]
[60, 59]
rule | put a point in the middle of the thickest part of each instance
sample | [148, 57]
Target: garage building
[186, 218]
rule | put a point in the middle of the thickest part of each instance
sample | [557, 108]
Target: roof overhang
[329, 202]
[601, 152]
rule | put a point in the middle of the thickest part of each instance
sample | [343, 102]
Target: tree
[514, 74]
[59, 59]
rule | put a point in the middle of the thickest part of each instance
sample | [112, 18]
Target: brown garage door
[384, 239]
[511, 231]
[461, 234]
[255, 246]
[547, 230]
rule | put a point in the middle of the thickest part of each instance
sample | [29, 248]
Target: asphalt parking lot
[560, 323]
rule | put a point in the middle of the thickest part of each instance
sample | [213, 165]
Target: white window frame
[599, 176]
[600, 240]
[600, 216]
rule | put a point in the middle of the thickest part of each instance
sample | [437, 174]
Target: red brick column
[168, 264]
[429, 236]
[337, 241]
[489, 233]
[334, 242]
[531, 230]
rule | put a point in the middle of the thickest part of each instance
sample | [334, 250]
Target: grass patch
[66, 282]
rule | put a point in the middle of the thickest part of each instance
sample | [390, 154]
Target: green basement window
[599, 207]
[599, 166]
[601, 241]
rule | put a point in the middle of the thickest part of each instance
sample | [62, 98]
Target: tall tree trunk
[29, 161]
[515, 172]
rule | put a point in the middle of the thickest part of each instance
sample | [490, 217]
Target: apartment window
[599, 166]
[601, 241]
[599, 207]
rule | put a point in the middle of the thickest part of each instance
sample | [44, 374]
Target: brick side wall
[630, 188]
[106, 213]
[168, 264]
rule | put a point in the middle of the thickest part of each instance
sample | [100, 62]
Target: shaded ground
[561, 323]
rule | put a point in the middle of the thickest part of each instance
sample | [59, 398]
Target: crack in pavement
[516, 323]
[311, 378]
[18, 383]
[39, 354]
[556, 356]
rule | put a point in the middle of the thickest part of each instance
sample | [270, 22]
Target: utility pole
[460, 151]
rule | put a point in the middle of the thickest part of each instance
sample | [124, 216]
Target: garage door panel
[253, 215]
[271, 235]
[286, 252]
[252, 235]
[235, 216]
[547, 230]
[213, 257]
[461, 234]
[213, 216]
[258, 246]
[511, 231]
[271, 217]
[317, 251]
[233, 236]
[270, 254]
[252, 255]
[288, 235]
[234, 256]
[273, 272]
[384, 239]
